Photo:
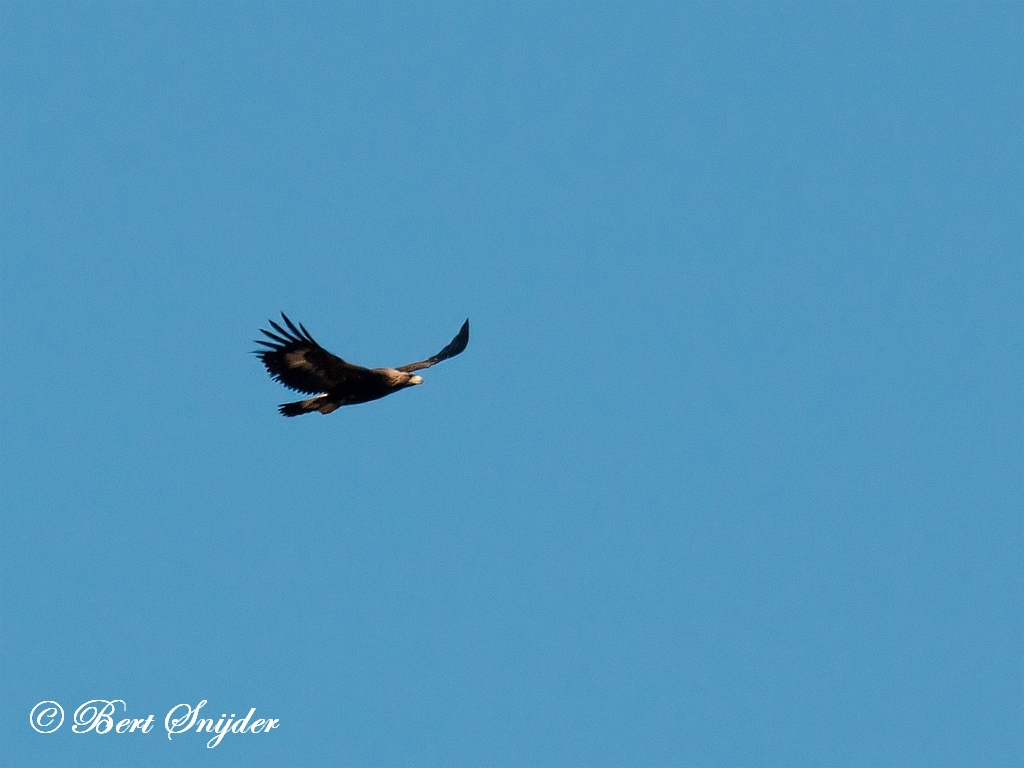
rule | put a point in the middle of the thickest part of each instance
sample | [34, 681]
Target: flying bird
[298, 362]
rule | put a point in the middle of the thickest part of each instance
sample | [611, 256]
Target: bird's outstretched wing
[454, 347]
[298, 362]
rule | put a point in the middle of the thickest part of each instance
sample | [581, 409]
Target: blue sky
[730, 473]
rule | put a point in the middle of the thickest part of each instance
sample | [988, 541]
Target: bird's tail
[318, 403]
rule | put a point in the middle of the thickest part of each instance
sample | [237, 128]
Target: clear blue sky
[731, 473]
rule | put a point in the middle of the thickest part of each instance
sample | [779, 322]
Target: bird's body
[299, 363]
[372, 385]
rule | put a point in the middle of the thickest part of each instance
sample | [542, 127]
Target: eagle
[297, 361]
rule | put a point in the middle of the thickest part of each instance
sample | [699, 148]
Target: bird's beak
[415, 379]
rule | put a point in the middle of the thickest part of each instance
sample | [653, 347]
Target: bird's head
[398, 379]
